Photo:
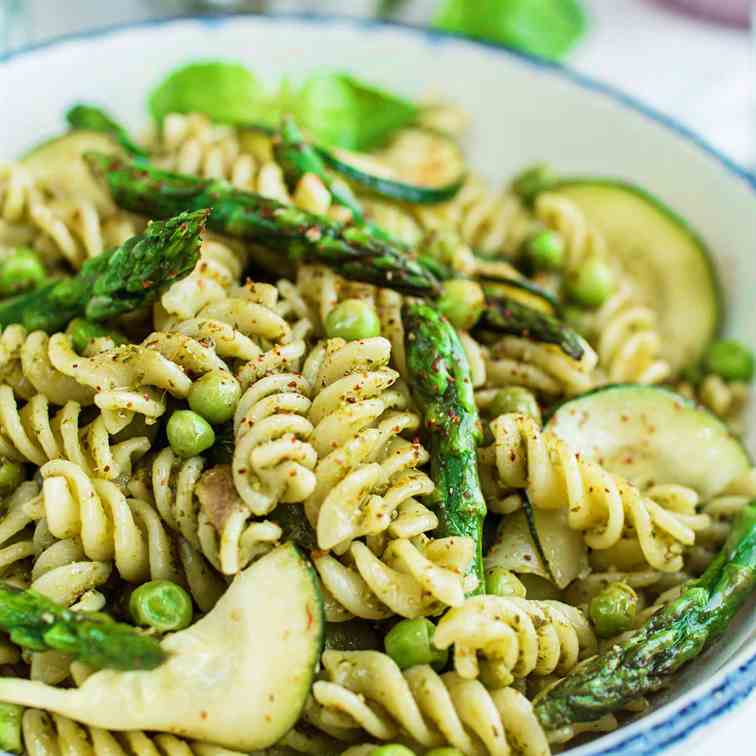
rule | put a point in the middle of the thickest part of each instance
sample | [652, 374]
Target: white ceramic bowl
[523, 111]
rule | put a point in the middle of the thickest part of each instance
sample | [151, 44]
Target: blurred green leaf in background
[546, 28]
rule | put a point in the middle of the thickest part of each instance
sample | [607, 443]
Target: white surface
[551, 120]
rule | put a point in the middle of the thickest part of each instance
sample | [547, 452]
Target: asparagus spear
[93, 118]
[296, 158]
[113, 282]
[440, 379]
[36, 623]
[507, 315]
[360, 253]
[353, 252]
[670, 638]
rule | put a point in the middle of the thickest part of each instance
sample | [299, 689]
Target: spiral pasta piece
[544, 368]
[55, 735]
[726, 399]
[492, 222]
[31, 435]
[515, 637]
[64, 224]
[411, 577]
[598, 503]
[628, 341]
[25, 366]
[366, 691]
[366, 473]
[273, 458]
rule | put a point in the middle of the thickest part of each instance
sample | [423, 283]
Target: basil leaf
[341, 111]
[547, 28]
[226, 92]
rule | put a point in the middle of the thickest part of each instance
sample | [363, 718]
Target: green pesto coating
[673, 636]
[113, 282]
[353, 252]
[92, 118]
[38, 624]
[507, 315]
[296, 158]
[439, 375]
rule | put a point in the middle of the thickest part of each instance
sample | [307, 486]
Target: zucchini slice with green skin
[58, 162]
[429, 181]
[238, 677]
[649, 435]
[669, 262]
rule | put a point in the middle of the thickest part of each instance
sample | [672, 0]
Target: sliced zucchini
[239, 677]
[57, 164]
[668, 261]
[651, 435]
[419, 166]
[542, 545]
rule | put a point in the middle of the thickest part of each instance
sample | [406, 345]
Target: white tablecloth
[700, 74]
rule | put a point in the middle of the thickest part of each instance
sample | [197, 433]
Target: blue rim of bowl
[740, 682]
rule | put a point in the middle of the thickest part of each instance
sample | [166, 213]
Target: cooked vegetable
[92, 118]
[83, 332]
[162, 605]
[515, 399]
[114, 282]
[38, 624]
[352, 635]
[297, 158]
[507, 315]
[548, 28]
[21, 271]
[613, 609]
[591, 284]
[439, 377]
[674, 635]
[533, 179]
[10, 727]
[11, 477]
[462, 302]
[545, 250]
[352, 319]
[214, 396]
[188, 433]
[730, 360]
[392, 749]
[268, 665]
[431, 182]
[648, 435]
[501, 582]
[410, 642]
[353, 252]
[670, 265]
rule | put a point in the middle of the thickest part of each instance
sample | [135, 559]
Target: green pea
[532, 180]
[444, 752]
[392, 749]
[462, 302]
[591, 284]
[501, 582]
[215, 396]
[515, 399]
[409, 643]
[730, 360]
[22, 271]
[613, 609]
[162, 605]
[82, 332]
[10, 727]
[11, 477]
[546, 250]
[189, 434]
[353, 319]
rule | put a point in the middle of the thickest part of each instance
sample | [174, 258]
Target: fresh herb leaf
[226, 92]
[342, 111]
[547, 28]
